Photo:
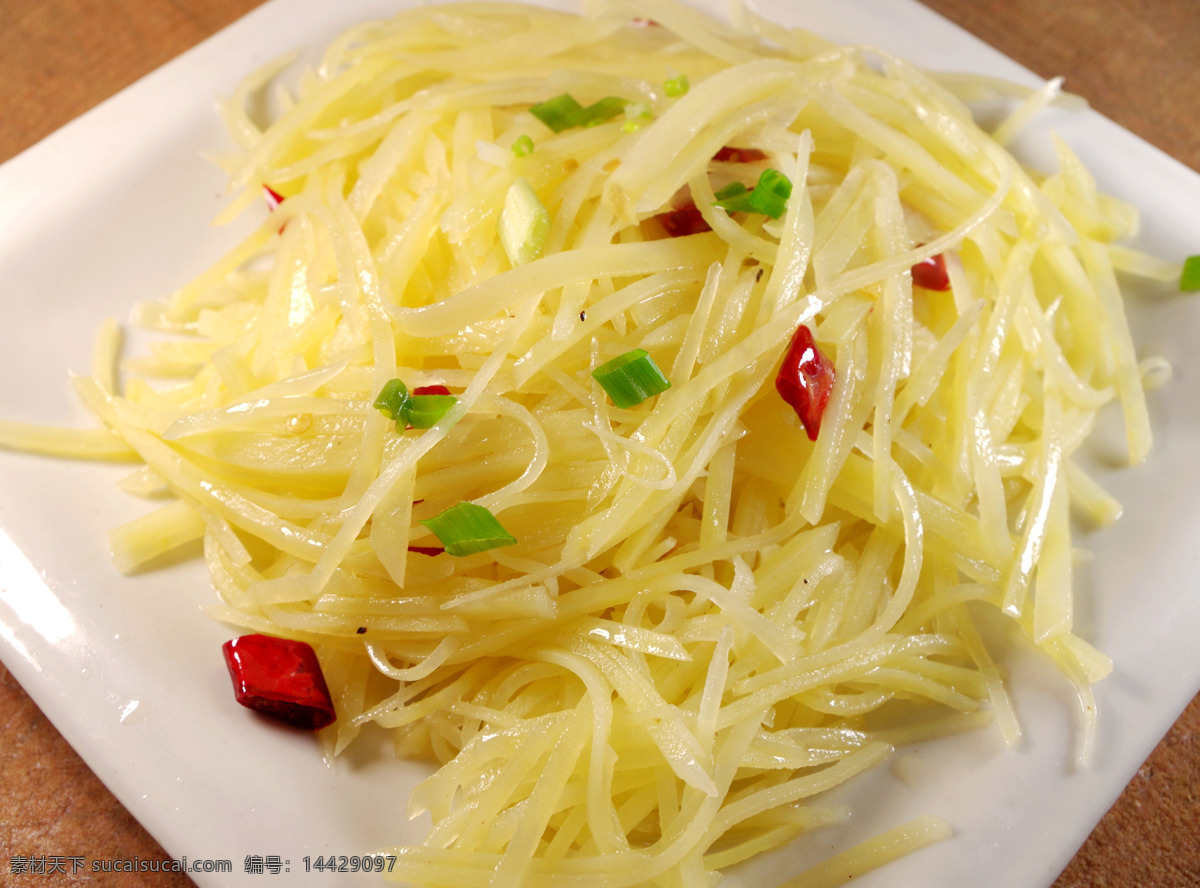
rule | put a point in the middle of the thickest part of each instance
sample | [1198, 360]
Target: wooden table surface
[1137, 62]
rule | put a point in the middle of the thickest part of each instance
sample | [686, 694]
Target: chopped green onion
[598, 112]
[731, 190]
[557, 112]
[631, 378]
[424, 411]
[523, 147]
[563, 112]
[1190, 278]
[677, 86]
[769, 196]
[734, 198]
[524, 224]
[636, 113]
[393, 399]
[468, 528]
[417, 411]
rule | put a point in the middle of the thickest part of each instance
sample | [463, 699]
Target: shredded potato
[707, 620]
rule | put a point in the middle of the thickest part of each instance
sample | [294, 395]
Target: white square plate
[115, 208]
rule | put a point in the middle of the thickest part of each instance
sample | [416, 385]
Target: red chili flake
[431, 390]
[427, 550]
[805, 380]
[683, 221]
[644, 23]
[281, 678]
[931, 273]
[273, 197]
[739, 155]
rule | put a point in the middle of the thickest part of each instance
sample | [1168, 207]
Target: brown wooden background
[1137, 61]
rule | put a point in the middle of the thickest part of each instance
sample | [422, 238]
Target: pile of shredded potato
[707, 619]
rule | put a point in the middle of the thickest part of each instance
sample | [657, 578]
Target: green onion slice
[598, 112]
[425, 410]
[524, 223]
[393, 399]
[563, 112]
[467, 528]
[523, 146]
[557, 112]
[677, 86]
[636, 114]
[631, 378]
[769, 195]
[1190, 278]
[734, 198]
[407, 409]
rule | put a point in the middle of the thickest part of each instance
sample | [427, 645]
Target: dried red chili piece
[279, 677]
[272, 197]
[427, 550]
[683, 221]
[930, 273]
[431, 390]
[805, 380]
[739, 155]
